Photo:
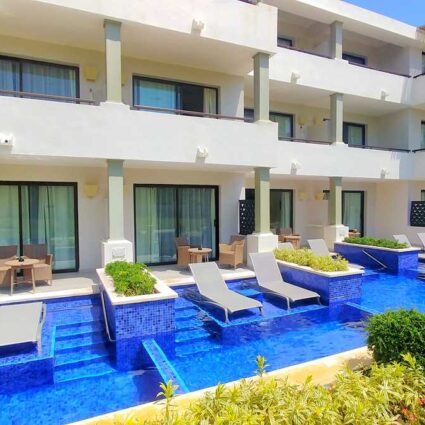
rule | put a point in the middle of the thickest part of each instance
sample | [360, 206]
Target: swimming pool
[202, 352]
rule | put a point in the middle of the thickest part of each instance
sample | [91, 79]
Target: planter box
[131, 319]
[333, 287]
[396, 260]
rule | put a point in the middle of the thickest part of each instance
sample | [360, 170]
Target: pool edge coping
[322, 370]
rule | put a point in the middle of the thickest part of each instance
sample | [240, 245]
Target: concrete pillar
[337, 117]
[335, 201]
[262, 200]
[261, 87]
[262, 240]
[113, 60]
[116, 247]
[336, 40]
[335, 231]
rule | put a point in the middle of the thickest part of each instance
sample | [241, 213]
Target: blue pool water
[202, 352]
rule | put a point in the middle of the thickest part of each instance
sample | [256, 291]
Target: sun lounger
[20, 324]
[319, 247]
[402, 239]
[270, 280]
[212, 286]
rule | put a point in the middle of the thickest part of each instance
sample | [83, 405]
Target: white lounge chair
[402, 239]
[212, 286]
[319, 247]
[270, 280]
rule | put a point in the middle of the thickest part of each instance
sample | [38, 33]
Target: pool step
[72, 342]
[186, 312]
[91, 370]
[186, 324]
[182, 303]
[191, 335]
[81, 355]
[200, 346]
[77, 329]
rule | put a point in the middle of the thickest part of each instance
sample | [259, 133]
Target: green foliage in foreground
[383, 243]
[396, 333]
[385, 394]
[306, 257]
[130, 279]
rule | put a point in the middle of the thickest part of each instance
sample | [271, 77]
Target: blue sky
[410, 11]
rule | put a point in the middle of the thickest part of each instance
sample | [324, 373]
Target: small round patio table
[199, 255]
[16, 265]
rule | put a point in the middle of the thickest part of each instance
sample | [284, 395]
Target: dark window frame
[358, 59]
[362, 215]
[20, 183]
[251, 191]
[290, 41]
[282, 114]
[21, 61]
[216, 189]
[357, 125]
[177, 84]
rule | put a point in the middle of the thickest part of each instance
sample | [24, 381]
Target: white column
[336, 40]
[337, 117]
[113, 60]
[261, 87]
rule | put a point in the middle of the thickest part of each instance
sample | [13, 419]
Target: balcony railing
[187, 113]
[298, 140]
[380, 148]
[41, 96]
[380, 70]
[285, 46]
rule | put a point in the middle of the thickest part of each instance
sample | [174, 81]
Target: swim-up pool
[203, 350]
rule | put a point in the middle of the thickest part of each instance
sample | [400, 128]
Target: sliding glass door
[163, 212]
[353, 210]
[41, 213]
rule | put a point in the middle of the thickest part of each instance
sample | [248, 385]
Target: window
[353, 210]
[285, 122]
[173, 95]
[41, 213]
[285, 42]
[423, 135]
[281, 207]
[38, 77]
[356, 59]
[163, 212]
[354, 134]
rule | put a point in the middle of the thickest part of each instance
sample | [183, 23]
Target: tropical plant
[393, 334]
[382, 243]
[306, 257]
[130, 279]
[386, 394]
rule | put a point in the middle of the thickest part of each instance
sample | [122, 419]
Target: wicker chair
[231, 254]
[6, 253]
[182, 251]
[43, 269]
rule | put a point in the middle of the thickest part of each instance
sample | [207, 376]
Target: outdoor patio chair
[286, 245]
[231, 254]
[270, 280]
[282, 232]
[213, 288]
[421, 237]
[182, 251]
[43, 269]
[5, 274]
[402, 239]
[319, 247]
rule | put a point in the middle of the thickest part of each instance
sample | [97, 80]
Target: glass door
[353, 210]
[163, 213]
[41, 213]
[281, 209]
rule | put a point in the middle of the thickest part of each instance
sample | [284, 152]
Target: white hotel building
[126, 123]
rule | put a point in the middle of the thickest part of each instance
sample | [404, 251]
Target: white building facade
[126, 124]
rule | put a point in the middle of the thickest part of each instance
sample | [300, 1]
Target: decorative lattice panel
[246, 217]
[417, 214]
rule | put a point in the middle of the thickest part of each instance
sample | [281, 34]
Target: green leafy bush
[396, 333]
[383, 243]
[306, 257]
[387, 394]
[130, 279]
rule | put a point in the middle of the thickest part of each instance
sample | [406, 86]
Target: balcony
[314, 71]
[62, 129]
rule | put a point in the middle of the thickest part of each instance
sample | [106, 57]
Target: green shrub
[130, 279]
[395, 333]
[387, 394]
[306, 257]
[383, 243]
